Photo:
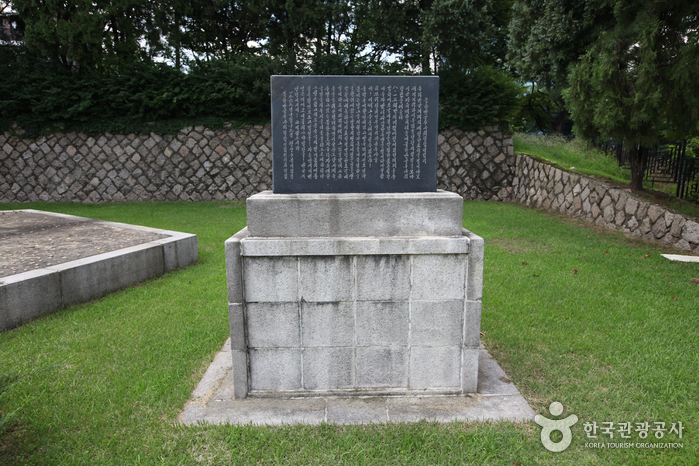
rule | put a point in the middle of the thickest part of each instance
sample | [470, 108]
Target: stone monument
[355, 275]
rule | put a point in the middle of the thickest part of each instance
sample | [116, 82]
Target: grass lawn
[572, 155]
[594, 320]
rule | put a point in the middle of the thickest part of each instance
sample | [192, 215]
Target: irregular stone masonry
[196, 164]
[200, 164]
[541, 185]
[476, 165]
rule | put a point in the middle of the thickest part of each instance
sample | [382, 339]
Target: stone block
[273, 325]
[608, 214]
[271, 279]
[179, 250]
[345, 410]
[474, 272]
[438, 276]
[677, 225]
[240, 373]
[380, 367]
[435, 367]
[472, 324]
[690, 232]
[436, 323]
[382, 323]
[354, 214]
[275, 370]
[28, 295]
[86, 279]
[632, 223]
[328, 368]
[659, 228]
[325, 279]
[683, 244]
[469, 370]
[272, 247]
[327, 324]
[236, 320]
[654, 212]
[234, 266]
[383, 277]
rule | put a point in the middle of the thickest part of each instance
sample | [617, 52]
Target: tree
[429, 35]
[637, 82]
[84, 33]
[466, 34]
[546, 37]
[221, 28]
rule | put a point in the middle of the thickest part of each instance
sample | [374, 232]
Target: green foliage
[535, 111]
[40, 96]
[693, 148]
[637, 81]
[545, 38]
[466, 34]
[85, 33]
[106, 65]
[470, 100]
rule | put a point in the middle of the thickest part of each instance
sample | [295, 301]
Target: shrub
[40, 97]
[476, 98]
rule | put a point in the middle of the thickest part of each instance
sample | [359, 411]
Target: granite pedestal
[354, 294]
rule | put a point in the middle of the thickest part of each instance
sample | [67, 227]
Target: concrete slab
[47, 288]
[410, 214]
[680, 258]
[213, 402]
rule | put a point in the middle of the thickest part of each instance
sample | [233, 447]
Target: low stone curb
[28, 295]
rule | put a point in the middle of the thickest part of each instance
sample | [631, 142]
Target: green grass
[571, 155]
[594, 320]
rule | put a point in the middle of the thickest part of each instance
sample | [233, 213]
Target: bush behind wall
[41, 98]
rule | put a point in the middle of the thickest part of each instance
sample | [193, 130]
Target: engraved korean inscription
[354, 133]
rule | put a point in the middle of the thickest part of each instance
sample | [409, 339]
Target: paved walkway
[212, 402]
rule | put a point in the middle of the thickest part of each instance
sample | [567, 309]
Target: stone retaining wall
[541, 185]
[200, 164]
[476, 165]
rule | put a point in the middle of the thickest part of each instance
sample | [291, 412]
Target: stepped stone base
[355, 315]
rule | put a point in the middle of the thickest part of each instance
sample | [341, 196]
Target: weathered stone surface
[199, 164]
[690, 232]
[631, 206]
[677, 225]
[654, 212]
[399, 321]
[355, 214]
[683, 244]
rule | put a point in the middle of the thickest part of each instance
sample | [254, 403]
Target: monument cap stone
[354, 134]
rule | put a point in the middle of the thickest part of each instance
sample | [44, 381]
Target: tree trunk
[638, 158]
[560, 120]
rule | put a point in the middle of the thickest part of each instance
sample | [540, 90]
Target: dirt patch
[32, 240]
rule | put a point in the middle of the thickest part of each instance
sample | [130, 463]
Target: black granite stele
[354, 134]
